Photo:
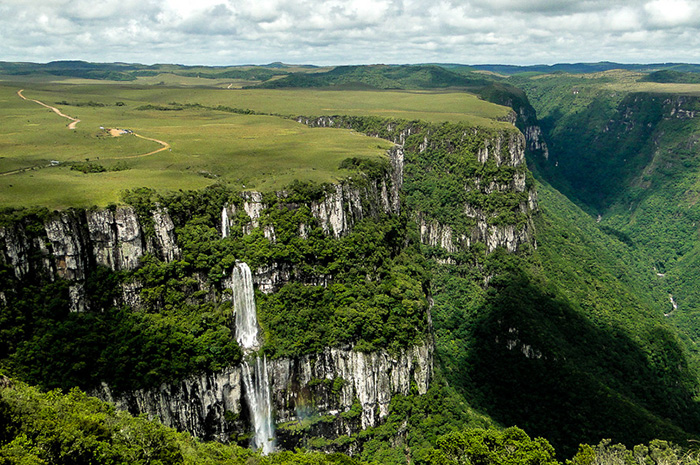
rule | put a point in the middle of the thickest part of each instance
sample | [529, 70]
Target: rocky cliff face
[334, 393]
[341, 206]
[72, 243]
[208, 406]
[505, 148]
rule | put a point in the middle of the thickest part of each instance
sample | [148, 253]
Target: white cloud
[670, 12]
[350, 31]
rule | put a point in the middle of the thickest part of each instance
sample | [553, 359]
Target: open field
[205, 145]
[625, 81]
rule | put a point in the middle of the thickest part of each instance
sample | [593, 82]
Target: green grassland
[431, 106]
[260, 151]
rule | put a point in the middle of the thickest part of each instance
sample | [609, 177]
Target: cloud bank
[225, 32]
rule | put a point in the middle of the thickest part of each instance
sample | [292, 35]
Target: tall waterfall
[225, 228]
[257, 386]
[244, 304]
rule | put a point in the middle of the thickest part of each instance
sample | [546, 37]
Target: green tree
[511, 446]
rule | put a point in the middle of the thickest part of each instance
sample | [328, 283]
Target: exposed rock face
[15, 250]
[505, 149]
[75, 242]
[211, 406]
[439, 235]
[528, 124]
[67, 242]
[129, 238]
[371, 378]
[104, 237]
[116, 237]
[508, 236]
[341, 207]
[198, 404]
[535, 140]
[164, 239]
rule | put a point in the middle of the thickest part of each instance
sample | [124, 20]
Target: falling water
[258, 396]
[244, 303]
[225, 228]
[257, 387]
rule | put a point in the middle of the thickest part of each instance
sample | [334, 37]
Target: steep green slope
[629, 152]
[569, 342]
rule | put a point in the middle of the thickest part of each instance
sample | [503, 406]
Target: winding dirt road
[165, 146]
[75, 121]
[72, 125]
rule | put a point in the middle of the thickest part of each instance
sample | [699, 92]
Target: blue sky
[223, 32]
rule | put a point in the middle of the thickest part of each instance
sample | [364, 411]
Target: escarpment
[69, 245]
[476, 180]
[334, 393]
[342, 299]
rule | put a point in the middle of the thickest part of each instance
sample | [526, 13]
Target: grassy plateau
[262, 151]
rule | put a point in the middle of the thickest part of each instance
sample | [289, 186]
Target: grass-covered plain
[207, 146]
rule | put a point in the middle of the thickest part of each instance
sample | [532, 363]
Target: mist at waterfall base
[254, 368]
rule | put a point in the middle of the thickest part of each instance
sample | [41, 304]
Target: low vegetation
[221, 132]
[75, 429]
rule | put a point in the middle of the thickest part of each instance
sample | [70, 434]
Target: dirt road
[74, 121]
[165, 146]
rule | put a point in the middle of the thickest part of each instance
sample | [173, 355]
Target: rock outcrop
[211, 406]
[74, 242]
[371, 378]
[505, 148]
[343, 205]
[208, 405]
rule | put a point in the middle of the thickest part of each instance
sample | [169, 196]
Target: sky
[334, 32]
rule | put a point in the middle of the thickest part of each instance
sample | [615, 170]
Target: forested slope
[627, 150]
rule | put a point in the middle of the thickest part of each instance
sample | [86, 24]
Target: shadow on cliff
[535, 361]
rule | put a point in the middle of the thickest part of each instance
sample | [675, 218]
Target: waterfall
[258, 396]
[257, 387]
[244, 304]
[225, 228]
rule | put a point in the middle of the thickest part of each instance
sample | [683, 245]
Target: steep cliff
[340, 205]
[70, 244]
[312, 395]
[492, 202]
[343, 293]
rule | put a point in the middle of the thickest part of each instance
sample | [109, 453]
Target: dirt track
[74, 121]
[165, 146]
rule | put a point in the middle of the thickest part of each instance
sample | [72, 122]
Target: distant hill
[131, 71]
[382, 77]
[580, 68]
[672, 76]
